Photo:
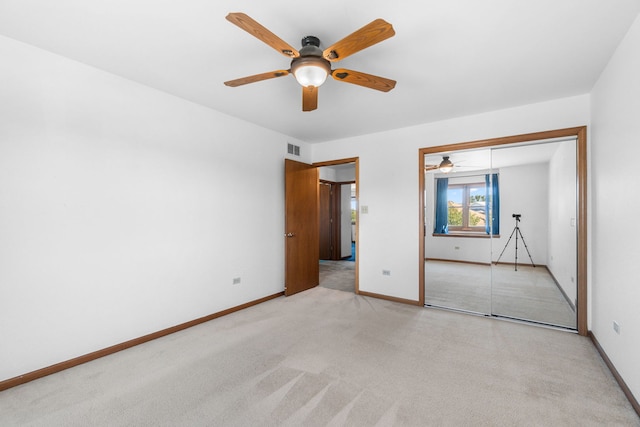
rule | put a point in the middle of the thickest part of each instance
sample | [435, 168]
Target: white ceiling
[450, 58]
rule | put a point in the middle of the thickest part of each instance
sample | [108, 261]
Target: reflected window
[465, 205]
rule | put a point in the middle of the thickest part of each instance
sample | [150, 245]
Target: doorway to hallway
[338, 224]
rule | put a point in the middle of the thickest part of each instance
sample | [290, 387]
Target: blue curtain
[442, 207]
[492, 204]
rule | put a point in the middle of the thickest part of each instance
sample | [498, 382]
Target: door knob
[289, 235]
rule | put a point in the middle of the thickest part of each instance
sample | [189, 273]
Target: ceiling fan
[311, 65]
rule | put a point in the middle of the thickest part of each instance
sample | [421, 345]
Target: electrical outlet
[386, 272]
[616, 327]
[364, 209]
[236, 280]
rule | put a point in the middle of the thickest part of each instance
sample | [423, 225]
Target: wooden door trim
[326, 220]
[580, 133]
[355, 160]
[339, 162]
[336, 223]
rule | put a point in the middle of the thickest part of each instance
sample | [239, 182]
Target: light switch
[364, 209]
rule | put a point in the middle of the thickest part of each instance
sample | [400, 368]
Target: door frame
[580, 133]
[355, 160]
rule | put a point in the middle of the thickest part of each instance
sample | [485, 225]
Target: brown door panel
[301, 227]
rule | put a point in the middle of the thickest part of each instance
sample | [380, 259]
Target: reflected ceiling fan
[445, 165]
[311, 65]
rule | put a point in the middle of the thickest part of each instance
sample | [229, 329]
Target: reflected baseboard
[564, 294]
[458, 261]
[520, 264]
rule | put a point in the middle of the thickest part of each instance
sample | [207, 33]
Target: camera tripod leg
[525, 246]
[505, 246]
[517, 232]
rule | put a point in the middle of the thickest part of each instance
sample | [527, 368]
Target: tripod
[516, 231]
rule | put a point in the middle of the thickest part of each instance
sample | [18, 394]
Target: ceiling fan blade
[255, 29]
[363, 79]
[372, 33]
[309, 98]
[257, 78]
[431, 167]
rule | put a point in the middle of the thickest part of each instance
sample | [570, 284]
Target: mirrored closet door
[457, 247]
[500, 231]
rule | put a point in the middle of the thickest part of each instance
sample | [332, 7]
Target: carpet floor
[338, 275]
[327, 357]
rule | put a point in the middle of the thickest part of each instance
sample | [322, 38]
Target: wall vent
[293, 149]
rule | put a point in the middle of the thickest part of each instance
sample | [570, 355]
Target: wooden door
[326, 218]
[301, 227]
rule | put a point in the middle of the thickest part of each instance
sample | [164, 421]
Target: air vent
[293, 149]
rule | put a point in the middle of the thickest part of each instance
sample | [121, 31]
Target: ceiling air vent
[293, 149]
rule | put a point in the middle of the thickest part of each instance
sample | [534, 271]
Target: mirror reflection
[500, 234]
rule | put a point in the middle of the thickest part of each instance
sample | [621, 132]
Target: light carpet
[338, 275]
[326, 357]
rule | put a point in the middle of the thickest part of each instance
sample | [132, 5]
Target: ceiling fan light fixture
[311, 75]
[310, 71]
[445, 166]
[311, 65]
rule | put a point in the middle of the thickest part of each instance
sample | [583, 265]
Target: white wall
[523, 190]
[562, 232]
[615, 244]
[338, 174]
[389, 176]
[123, 210]
[327, 173]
